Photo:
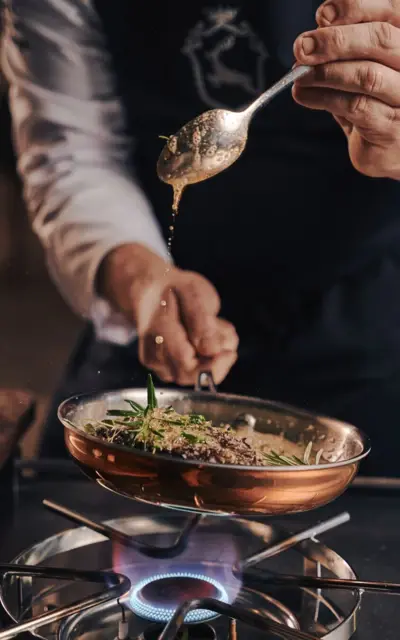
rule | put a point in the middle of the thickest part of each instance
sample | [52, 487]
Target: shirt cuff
[111, 326]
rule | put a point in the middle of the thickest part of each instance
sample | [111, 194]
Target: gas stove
[188, 578]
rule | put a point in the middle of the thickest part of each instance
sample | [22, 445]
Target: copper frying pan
[164, 480]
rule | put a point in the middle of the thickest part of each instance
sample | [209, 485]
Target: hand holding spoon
[213, 141]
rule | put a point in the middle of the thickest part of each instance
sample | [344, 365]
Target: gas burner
[197, 632]
[199, 591]
[156, 598]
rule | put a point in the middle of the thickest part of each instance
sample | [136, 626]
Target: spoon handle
[278, 87]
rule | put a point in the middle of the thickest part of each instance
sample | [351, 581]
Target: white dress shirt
[69, 130]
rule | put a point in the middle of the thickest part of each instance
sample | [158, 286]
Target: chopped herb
[157, 433]
[190, 437]
[197, 419]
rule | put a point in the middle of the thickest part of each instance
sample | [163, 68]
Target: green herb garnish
[155, 428]
[151, 394]
[190, 437]
[277, 459]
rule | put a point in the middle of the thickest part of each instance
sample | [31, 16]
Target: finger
[199, 306]
[180, 352]
[355, 11]
[376, 41]
[158, 365]
[221, 365]
[378, 120]
[154, 356]
[166, 348]
[368, 78]
[224, 339]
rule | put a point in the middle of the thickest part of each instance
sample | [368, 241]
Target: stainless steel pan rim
[218, 397]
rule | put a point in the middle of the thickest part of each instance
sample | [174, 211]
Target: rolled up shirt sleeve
[73, 151]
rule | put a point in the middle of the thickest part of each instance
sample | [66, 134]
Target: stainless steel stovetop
[370, 542]
[203, 570]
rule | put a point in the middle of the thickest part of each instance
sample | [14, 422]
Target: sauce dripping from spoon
[178, 188]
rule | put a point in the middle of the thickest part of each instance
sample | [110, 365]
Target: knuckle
[337, 39]
[193, 285]
[165, 376]
[381, 120]
[360, 106]
[197, 288]
[348, 6]
[382, 34]
[324, 73]
[392, 115]
[369, 79]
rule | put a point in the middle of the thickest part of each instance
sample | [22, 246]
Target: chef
[285, 280]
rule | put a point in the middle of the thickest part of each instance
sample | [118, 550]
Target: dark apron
[303, 249]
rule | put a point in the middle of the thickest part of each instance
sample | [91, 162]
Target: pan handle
[206, 380]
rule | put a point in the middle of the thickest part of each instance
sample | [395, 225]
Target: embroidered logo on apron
[217, 47]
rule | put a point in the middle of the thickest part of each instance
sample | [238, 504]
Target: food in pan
[192, 437]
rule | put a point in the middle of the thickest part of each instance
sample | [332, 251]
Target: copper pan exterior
[167, 481]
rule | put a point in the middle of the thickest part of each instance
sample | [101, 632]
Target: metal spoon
[214, 140]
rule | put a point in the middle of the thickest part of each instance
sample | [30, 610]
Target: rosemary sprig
[135, 405]
[278, 459]
[151, 394]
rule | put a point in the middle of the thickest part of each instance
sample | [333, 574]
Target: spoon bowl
[214, 140]
[205, 146]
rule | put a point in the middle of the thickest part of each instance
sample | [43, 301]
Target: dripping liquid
[171, 233]
[178, 190]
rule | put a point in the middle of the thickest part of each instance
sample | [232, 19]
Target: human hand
[175, 313]
[356, 58]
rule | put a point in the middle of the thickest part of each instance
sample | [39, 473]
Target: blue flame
[164, 614]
